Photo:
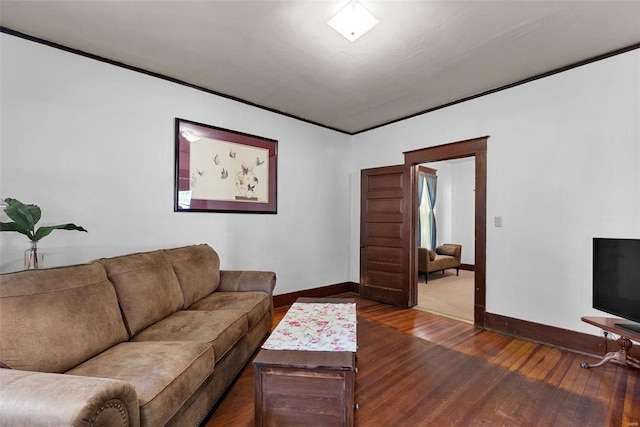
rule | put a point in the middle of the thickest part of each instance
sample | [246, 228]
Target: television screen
[616, 277]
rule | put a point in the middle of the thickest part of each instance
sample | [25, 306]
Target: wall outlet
[497, 221]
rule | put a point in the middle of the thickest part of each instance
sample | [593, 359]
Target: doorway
[449, 290]
[476, 148]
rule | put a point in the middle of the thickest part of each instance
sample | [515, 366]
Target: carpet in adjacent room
[447, 294]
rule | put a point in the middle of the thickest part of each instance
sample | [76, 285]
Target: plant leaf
[13, 226]
[26, 216]
[46, 230]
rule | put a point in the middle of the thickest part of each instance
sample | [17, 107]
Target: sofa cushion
[442, 262]
[448, 249]
[255, 304]
[221, 328]
[432, 255]
[198, 271]
[43, 311]
[164, 374]
[147, 288]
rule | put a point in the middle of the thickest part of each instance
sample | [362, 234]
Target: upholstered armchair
[445, 256]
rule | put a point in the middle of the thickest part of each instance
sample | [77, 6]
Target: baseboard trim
[283, 300]
[468, 267]
[551, 335]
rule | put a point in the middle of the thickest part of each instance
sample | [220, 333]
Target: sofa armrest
[46, 399]
[423, 259]
[243, 281]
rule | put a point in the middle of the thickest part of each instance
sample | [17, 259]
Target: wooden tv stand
[611, 324]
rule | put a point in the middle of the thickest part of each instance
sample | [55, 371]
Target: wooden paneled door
[388, 235]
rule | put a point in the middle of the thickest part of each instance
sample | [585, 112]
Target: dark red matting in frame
[183, 172]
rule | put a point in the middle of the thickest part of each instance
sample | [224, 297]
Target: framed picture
[220, 170]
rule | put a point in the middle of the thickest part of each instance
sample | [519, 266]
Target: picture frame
[222, 170]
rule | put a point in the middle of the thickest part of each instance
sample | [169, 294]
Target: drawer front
[304, 397]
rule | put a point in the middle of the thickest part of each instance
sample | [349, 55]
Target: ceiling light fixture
[353, 20]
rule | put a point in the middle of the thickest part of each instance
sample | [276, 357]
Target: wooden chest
[295, 388]
[308, 383]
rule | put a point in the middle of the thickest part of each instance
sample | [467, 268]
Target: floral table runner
[316, 327]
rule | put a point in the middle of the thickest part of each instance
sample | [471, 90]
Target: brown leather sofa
[146, 339]
[445, 256]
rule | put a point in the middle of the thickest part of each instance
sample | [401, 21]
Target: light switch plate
[497, 221]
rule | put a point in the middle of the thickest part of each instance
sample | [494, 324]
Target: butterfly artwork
[225, 170]
[245, 169]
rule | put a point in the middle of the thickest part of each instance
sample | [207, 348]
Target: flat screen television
[616, 279]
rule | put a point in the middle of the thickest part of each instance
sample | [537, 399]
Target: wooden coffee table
[305, 387]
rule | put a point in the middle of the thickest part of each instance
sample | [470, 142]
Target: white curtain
[421, 204]
[432, 184]
[424, 235]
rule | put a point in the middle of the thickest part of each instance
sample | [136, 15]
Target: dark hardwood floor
[418, 369]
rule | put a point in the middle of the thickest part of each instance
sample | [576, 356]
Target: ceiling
[282, 55]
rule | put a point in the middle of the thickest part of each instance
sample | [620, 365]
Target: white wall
[93, 144]
[563, 167]
[463, 207]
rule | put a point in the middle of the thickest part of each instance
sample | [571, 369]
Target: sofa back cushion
[450, 249]
[147, 288]
[198, 270]
[55, 319]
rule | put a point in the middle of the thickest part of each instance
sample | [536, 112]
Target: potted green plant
[25, 218]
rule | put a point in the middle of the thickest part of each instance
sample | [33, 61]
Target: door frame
[475, 147]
